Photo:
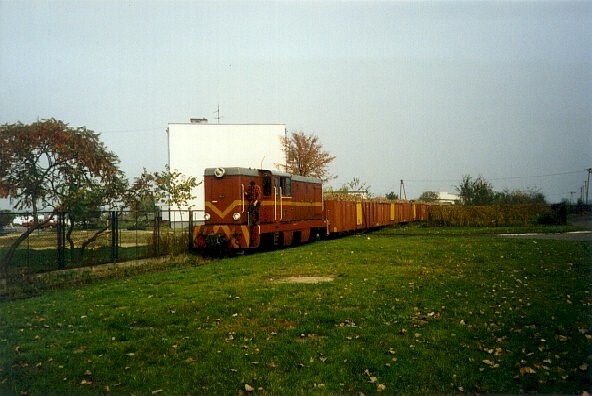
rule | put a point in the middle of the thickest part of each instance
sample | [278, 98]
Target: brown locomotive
[249, 208]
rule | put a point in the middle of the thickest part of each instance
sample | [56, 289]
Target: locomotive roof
[237, 171]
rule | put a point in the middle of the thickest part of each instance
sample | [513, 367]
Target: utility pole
[588, 185]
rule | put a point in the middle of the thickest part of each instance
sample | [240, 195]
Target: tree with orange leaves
[49, 165]
[305, 156]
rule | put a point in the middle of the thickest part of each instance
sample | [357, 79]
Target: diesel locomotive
[251, 208]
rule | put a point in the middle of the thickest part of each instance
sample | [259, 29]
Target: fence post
[156, 233]
[190, 239]
[61, 235]
[114, 237]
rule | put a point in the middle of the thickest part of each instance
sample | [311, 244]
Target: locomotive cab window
[267, 187]
[286, 185]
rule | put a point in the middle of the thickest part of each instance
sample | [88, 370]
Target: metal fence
[64, 241]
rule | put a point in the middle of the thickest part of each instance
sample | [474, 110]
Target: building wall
[196, 146]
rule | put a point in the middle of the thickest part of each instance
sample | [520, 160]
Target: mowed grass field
[372, 313]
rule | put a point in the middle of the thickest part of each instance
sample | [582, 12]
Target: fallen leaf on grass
[527, 370]
[380, 388]
[583, 366]
[86, 382]
[347, 323]
[541, 367]
[490, 363]
[249, 388]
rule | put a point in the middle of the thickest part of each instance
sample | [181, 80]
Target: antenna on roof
[217, 112]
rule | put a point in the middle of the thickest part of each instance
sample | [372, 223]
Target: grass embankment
[419, 314]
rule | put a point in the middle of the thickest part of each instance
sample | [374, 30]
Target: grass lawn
[412, 314]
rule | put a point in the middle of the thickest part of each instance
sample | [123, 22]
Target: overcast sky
[421, 91]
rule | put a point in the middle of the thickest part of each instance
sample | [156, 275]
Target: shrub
[168, 243]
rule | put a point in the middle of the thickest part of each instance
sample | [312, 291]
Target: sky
[420, 91]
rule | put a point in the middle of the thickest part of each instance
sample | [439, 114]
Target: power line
[130, 130]
[431, 181]
[497, 178]
[538, 176]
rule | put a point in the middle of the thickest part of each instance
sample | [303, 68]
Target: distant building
[197, 145]
[362, 194]
[445, 198]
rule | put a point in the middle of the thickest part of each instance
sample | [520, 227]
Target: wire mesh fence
[61, 241]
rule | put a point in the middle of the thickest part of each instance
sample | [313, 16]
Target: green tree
[141, 196]
[6, 217]
[520, 197]
[392, 195]
[305, 156]
[174, 188]
[171, 188]
[429, 196]
[40, 164]
[85, 201]
[475, 191]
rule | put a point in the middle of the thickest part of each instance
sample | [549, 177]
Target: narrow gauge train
[250, 208]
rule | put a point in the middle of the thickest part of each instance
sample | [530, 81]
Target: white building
[446, 198]
[198, 145]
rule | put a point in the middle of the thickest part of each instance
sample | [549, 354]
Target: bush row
[494, 216]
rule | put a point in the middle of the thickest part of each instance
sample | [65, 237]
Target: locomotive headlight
[236, 216]
[207, 216]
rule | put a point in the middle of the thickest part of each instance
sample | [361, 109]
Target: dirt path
[581, 221]
[568, 236]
